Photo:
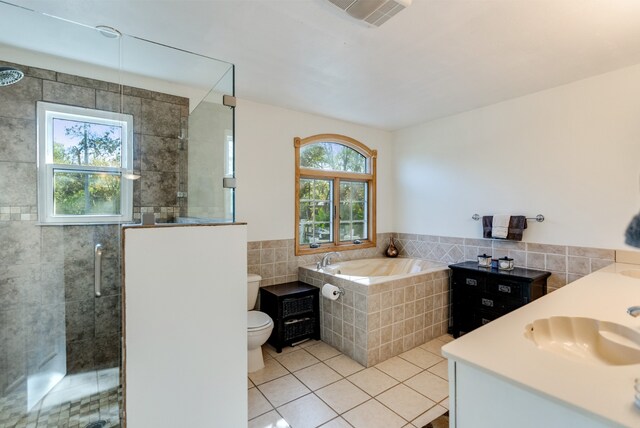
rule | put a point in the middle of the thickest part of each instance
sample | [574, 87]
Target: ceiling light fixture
[374, 12]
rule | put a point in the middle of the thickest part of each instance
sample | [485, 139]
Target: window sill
[325, 248]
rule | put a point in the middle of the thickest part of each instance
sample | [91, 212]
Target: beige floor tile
[336, 423]
[283, 390]
[268, 349]
[441, 369]
[342, 396]
[429, 415]
[405, 401]
[322, 351]
[297, 360]
[257, 403]
[308, 343]
[317, 376]
[429, 385]
[434, 346]
[372, 381]
[269, 420]
[344, 365]
[398, 368]
[421, 358]
[445, 403]
[272, 370]
[446, 338]
[307, 412]
[372, 414]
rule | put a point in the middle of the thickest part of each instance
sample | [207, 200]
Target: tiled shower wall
[45, 266]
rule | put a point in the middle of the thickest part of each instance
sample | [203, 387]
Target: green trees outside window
[335, 194]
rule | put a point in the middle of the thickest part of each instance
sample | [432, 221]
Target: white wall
[571, 153]
[265, 166]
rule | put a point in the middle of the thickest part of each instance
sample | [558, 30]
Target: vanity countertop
[601, 391]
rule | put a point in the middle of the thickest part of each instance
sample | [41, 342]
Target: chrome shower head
[10, 75]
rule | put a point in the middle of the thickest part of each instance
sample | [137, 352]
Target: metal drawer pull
[98, 270]
[504, 288]
[487, 302]
[471, 281]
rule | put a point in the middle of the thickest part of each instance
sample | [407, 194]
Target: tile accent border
[24, 213]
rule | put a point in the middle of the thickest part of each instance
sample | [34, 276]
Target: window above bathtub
[335, 193]
[84, 157]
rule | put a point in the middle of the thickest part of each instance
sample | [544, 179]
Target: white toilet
[259, 325]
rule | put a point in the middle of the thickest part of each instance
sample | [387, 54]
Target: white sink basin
[586, 339]
[632, 273]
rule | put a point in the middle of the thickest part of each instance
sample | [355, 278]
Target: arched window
[335, 194]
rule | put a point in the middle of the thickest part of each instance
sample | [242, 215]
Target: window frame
[309, 173]
[46, 113]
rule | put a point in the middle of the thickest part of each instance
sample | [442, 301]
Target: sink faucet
[326, 259]
[634, 311]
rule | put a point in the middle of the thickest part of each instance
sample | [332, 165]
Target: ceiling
[434, 59]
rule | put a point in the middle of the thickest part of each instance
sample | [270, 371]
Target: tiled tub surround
[46, 272]
[371, 323]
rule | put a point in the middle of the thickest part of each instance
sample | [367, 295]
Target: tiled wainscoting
[276, 262]
[566, 263]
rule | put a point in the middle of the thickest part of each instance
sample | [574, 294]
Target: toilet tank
[253, 284]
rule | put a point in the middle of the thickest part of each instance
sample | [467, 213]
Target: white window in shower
[84, 157]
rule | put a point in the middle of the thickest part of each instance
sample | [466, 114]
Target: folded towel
[500, 227]
[517, 225]
[487, 223]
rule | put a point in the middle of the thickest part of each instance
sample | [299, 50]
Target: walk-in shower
[10, 75]
[70, 97]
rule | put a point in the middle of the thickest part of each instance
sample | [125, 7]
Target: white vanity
[574, 371]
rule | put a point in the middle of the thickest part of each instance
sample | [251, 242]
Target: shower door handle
[98, 270]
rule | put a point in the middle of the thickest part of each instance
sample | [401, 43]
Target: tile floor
[314, 385]
[74, 402]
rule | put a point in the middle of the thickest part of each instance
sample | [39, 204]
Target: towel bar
[539, 218]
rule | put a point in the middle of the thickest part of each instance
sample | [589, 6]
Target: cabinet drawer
[496, 303]
[504, 288]
[297, 306]
[483, 316]
[462, 280]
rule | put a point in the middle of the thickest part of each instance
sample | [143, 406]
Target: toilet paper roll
[331, 292]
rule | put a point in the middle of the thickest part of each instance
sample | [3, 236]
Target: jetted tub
[372, 271]
[389, 306]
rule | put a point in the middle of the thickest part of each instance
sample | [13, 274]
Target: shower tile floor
[76, 401]
[314, 385]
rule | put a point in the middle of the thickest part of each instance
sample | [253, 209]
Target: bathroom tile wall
[46, 272]
[566, 263]
[275, 261]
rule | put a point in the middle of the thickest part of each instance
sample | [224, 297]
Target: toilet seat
[257, 320]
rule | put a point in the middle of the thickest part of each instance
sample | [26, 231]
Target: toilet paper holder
[331, 292]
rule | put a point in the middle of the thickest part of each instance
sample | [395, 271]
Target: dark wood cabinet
[480, 295]
[294, 308]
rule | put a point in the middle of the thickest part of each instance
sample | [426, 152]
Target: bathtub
[388, 307]
[373, 271]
